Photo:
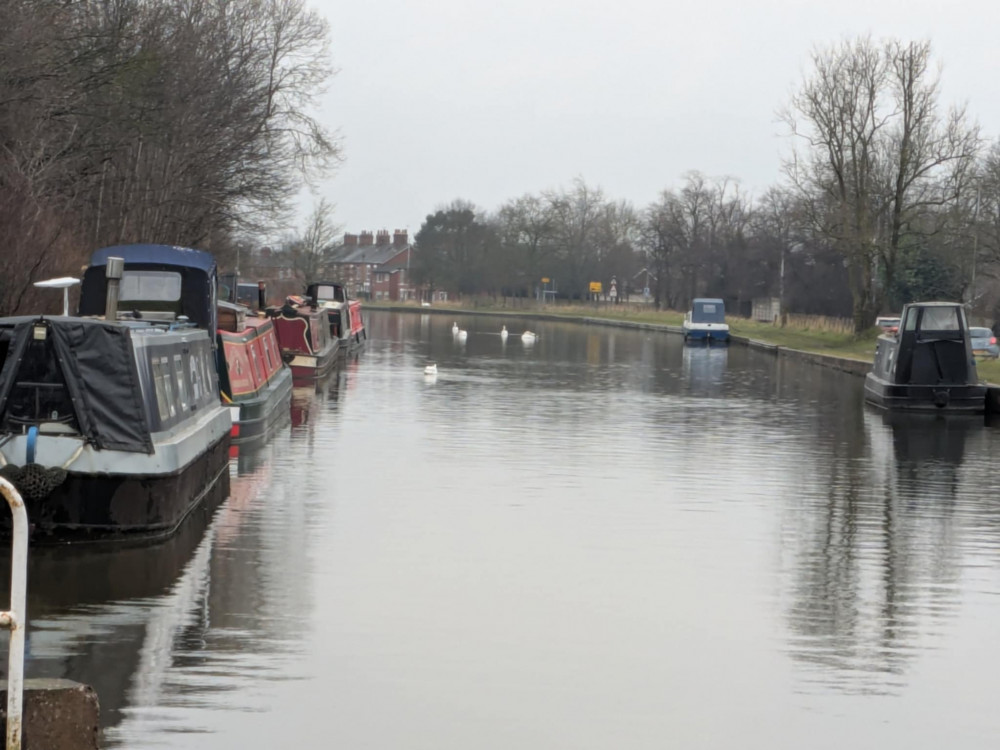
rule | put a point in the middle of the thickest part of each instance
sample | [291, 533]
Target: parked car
[888, 323]
[984, 343]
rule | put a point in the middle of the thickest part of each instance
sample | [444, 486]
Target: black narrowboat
[111, 425]
[928, 364]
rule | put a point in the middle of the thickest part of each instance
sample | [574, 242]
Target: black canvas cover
[98, 366]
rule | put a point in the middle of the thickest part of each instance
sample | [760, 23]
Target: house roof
[397, 263]
[367, 254]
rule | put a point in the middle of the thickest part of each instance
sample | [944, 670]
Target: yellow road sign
[596, 287]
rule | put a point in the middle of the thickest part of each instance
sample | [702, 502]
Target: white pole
[16, 618]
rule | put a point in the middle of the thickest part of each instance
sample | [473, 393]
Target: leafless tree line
[168, 121]
[887, 197]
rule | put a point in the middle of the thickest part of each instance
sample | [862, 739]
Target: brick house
[376, 266]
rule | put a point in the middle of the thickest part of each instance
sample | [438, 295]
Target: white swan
[503, 333]
[454, 329]
[431, 369]
[528, 337]
[462, 335]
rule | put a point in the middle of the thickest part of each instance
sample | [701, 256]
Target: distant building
[369, 265]
[376, 266]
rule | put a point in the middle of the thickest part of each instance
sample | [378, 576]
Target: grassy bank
[812, 339]
[806, 338]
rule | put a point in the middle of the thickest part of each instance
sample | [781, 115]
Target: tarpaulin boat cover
[98, 365]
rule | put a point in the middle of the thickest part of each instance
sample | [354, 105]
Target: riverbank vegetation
[813, 335]
[169, 121]
[889, 195]
[809, 335]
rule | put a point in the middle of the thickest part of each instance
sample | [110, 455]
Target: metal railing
[15, 619]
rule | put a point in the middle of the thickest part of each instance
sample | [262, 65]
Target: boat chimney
[113, 273]
[261, 296]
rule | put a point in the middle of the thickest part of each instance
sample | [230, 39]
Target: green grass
[805, 339]
[811, 340]
[989, 370]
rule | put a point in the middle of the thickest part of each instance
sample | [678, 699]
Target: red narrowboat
[305, 340]
[252, 376]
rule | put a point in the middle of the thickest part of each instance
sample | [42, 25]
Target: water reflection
[704, 369]
[878, 558]
[605, 539]
[160, 630]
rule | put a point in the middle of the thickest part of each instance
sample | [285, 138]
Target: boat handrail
[15, 619]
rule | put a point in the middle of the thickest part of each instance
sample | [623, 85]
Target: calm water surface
[604, 540]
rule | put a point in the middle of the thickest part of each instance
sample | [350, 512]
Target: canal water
[602, 540]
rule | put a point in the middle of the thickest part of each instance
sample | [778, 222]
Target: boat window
[708, 312]
[150, 286]
[168, 387]
[328, 292]
[207, 377]
[940, 319]
[268, 353]
[182, 389]
[195, 378]
[161, 393]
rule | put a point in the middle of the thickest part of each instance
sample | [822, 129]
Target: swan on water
[503, 333]
[528, 337]
[431, 369]
[461, 335]
[454, 329]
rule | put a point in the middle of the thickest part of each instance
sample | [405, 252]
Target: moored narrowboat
[111, 426]
[928, 364]
[253, 381]
[304, 337]
[252, 376]
[706, 321]
[343, 313]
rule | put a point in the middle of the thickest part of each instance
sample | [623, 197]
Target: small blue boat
[706, 321]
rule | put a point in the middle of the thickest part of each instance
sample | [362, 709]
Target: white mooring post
[15, 619]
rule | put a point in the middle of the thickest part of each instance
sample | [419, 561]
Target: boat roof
[172, 255]
[325, 283]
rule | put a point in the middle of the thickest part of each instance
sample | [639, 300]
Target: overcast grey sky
[487, 101]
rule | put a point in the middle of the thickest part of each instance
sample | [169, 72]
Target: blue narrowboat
[706, 321]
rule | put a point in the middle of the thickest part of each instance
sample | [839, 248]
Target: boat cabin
[160, 283]
[927, 363]
[343, 312]
[931, 347]
[706, 320]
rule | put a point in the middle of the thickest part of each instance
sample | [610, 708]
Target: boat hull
[715, 336]
[308, 368]
[707, 333]
[90, 507]
[954, 399]
[255, 418]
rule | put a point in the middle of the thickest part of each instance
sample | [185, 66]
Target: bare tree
[878, 156]
[310, 254]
